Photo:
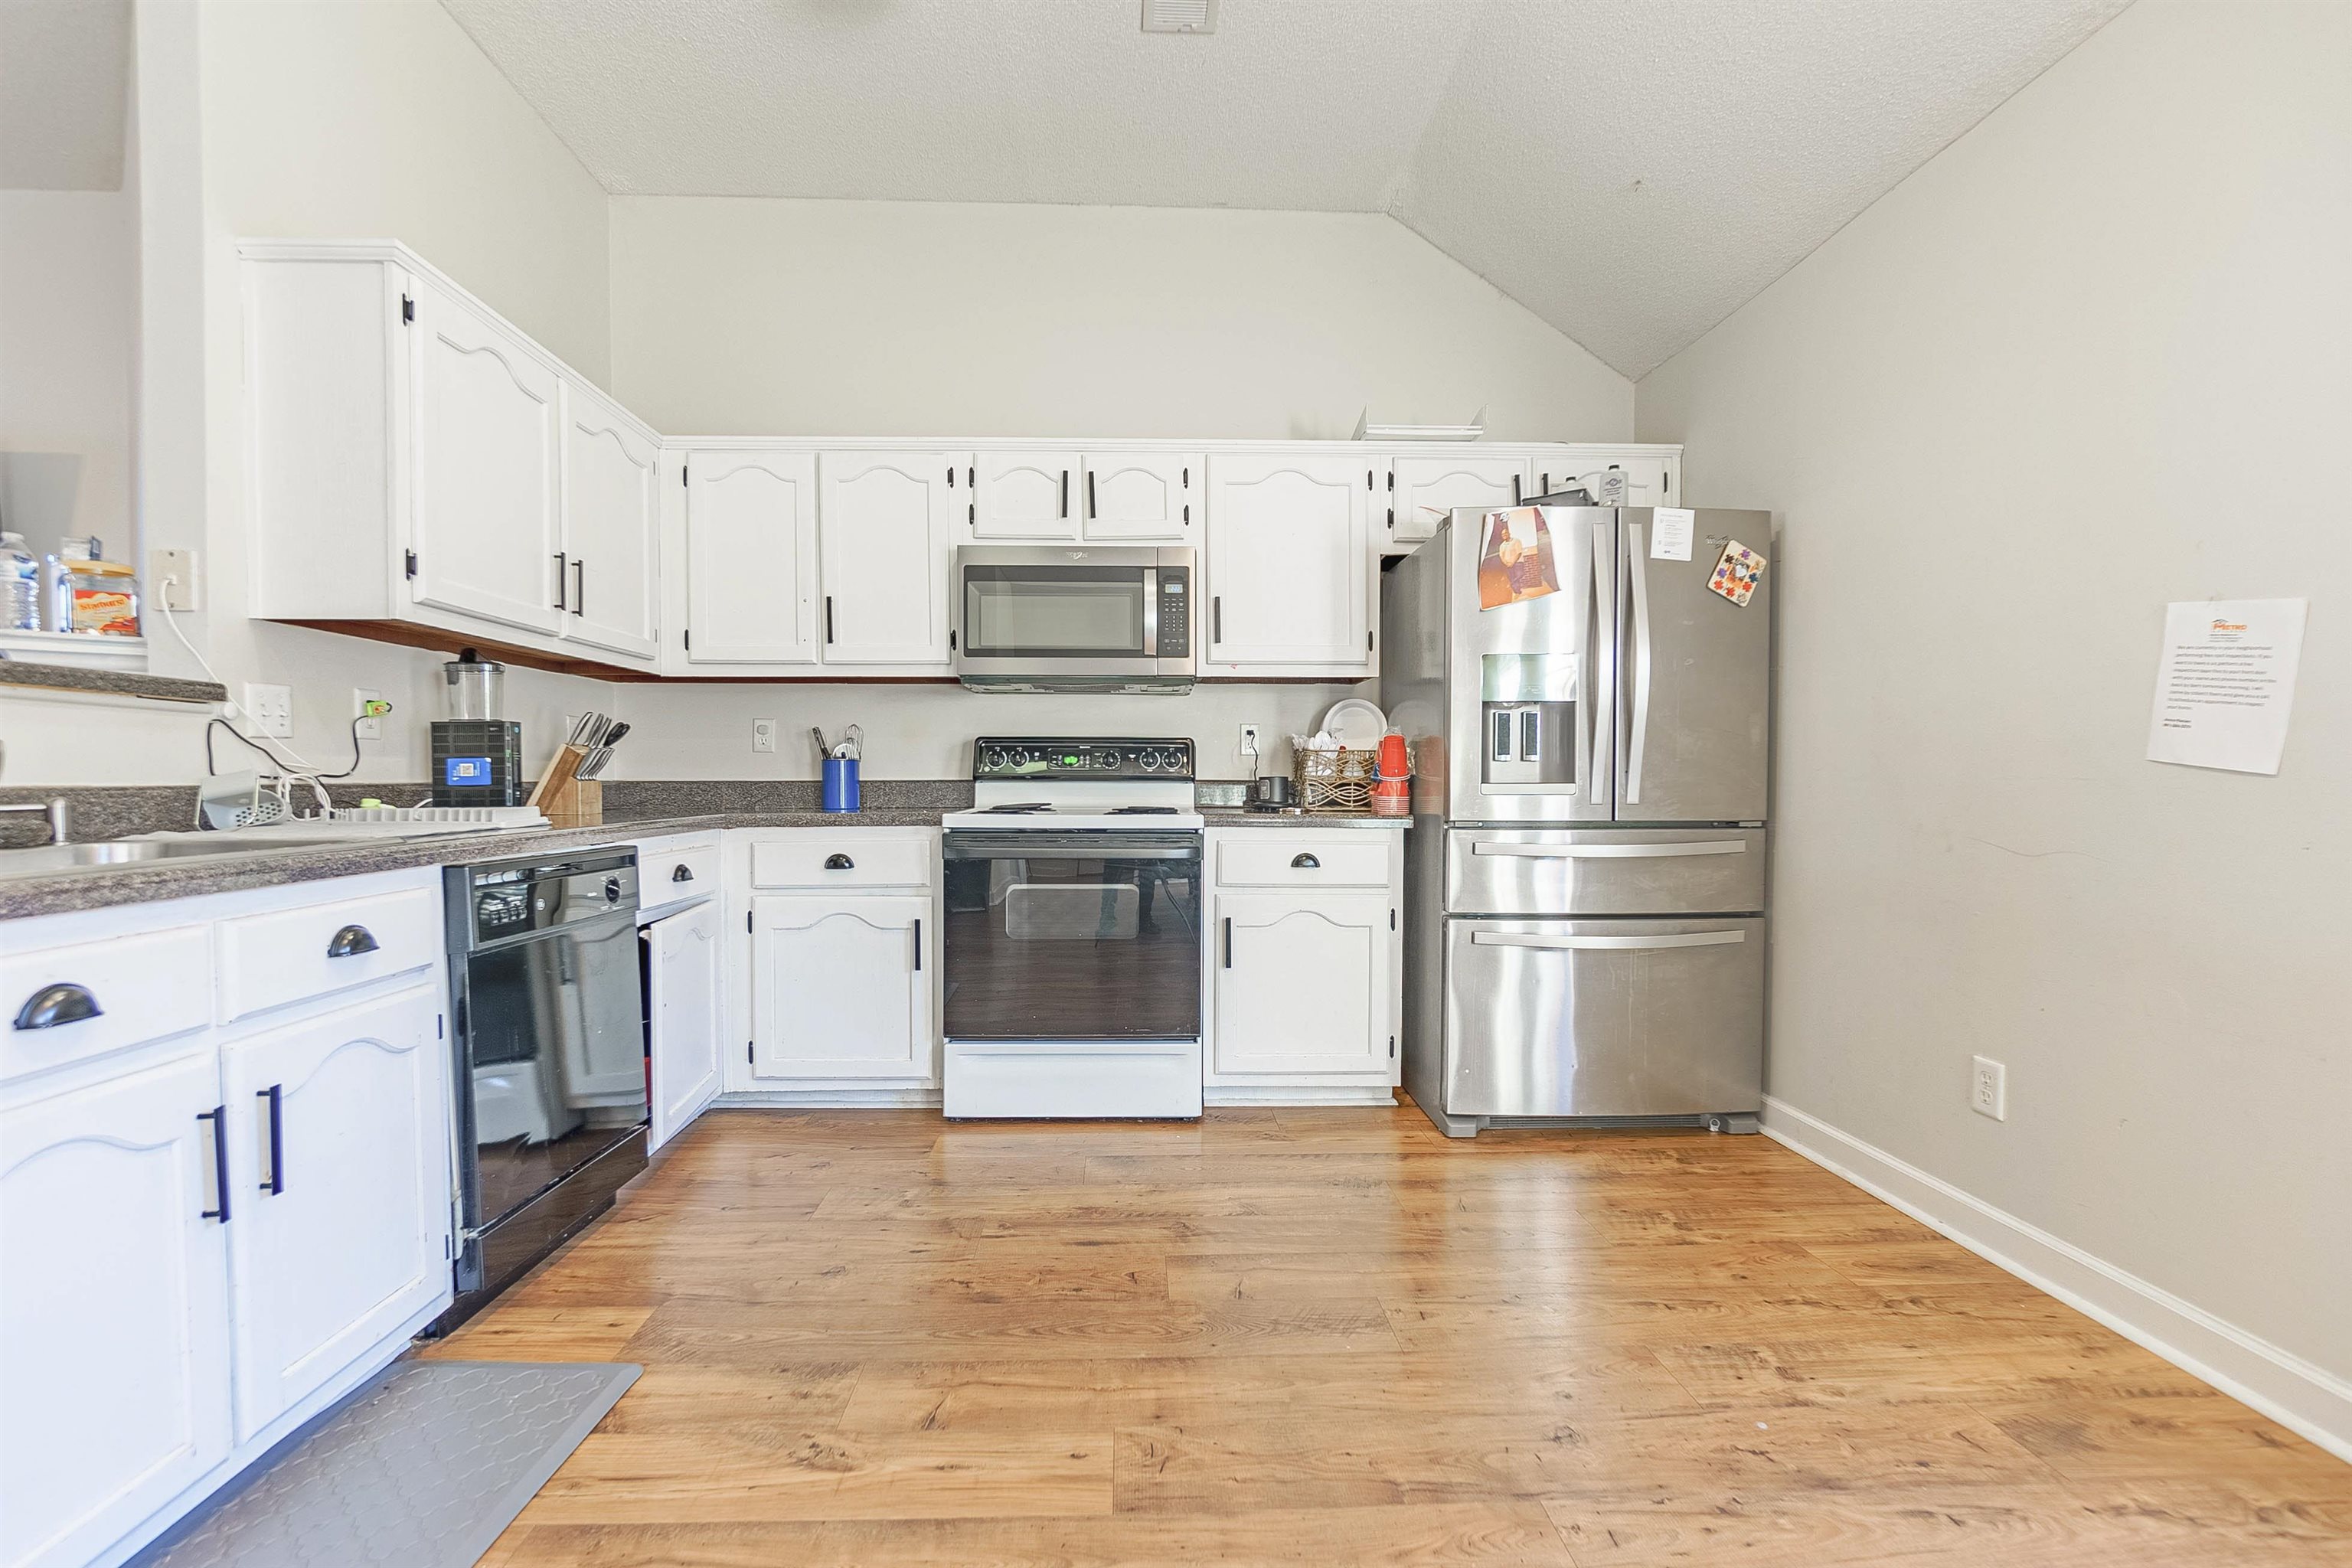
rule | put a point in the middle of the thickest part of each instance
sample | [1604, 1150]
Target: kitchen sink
[48, 858]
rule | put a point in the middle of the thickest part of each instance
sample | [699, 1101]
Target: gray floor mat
[422, 1469]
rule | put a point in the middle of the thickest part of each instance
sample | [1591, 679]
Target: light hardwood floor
[1333, 1337]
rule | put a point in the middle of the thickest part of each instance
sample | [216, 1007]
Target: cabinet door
[487, 532]
[842, 987]
[1649, 476]
[1290, 561]
[114, 1350]
[1026, 495]
[751, 558]
[1147, 497]
[611, 527]
[1428, 487]
[341, 1166]
[1302, 982]
[882, 523]
[682, 999]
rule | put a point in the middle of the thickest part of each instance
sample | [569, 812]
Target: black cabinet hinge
[950, 476]
[1391, 920]
[407, 309]
[438, 1020]
[747, 920]
[409, 558]
[952, 642]
[690, 639]
[1391, 1047]
[750, 1051]
[683, 470]
[1368, 642]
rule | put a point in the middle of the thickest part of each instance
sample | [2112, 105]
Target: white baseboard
[1250, 1094]
[2296, 1393]
[829, 1099]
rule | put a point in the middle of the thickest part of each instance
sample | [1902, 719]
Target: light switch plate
[269, 710]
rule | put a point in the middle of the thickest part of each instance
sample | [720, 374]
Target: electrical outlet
[369, 708]
[269, 710]
[1248, 745]
[763, 734]
[172, 580]
[1989, 1089]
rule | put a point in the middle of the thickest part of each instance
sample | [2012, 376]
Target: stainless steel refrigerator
[1584, 890]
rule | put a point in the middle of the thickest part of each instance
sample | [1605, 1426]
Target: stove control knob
[1149, 759]
[992, 760]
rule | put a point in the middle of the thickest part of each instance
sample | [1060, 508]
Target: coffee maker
[477, 755]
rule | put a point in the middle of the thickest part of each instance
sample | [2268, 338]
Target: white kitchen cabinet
[611, 527]
[682, 1000]
[751, 557]
[1650, 472]
[487, 528]
[114, 1328]
[1026, 495]
[885, 556]
[1300, 981]
[841, 988]
[1428, 486]
[340, 1161]
[1291, 567]
[1144, 498]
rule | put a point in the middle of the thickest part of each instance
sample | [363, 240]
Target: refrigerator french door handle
[1612, 851]
[1592, 680]
[1606, 943]
[1638, 583]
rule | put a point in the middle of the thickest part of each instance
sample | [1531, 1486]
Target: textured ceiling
[64, 84]
[1632, 171]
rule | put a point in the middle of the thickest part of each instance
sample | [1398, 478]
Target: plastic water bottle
[20, 586]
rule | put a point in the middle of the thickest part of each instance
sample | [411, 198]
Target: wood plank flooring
[1331, 1337]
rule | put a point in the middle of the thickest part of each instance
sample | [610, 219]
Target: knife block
[563, 797]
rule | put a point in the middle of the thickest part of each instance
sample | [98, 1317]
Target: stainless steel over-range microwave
[1041, 617]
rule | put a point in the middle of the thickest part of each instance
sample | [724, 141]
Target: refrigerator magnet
[1736, 571]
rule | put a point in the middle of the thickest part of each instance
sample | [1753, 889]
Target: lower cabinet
[682, 1000]
[1302, 981]
[114, 1313]
[340, 1184]
[841, 987]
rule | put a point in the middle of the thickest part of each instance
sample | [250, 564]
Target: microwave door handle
[1638, 589]
[1151, 648]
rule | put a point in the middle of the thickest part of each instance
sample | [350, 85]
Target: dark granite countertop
[109, 682]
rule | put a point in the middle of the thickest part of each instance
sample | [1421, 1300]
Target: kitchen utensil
[856, 741]
[1355, 724]
[1275, 792]
[823, 747]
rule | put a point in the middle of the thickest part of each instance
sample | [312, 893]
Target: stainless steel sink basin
[48, 858]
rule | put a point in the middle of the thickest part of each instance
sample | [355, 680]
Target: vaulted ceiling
[1632, 171]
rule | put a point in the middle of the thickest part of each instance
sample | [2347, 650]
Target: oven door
[1073, 616]
[1072, 936]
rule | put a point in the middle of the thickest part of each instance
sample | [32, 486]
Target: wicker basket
[1334, 781]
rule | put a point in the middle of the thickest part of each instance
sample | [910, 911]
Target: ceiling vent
[1180, 15]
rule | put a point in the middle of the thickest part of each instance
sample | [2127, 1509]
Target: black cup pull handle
[682, 874]
[351, 942]
[839, 863]
[218, 1117]
[1304, 862]
[276, 1095]
[61, 1003]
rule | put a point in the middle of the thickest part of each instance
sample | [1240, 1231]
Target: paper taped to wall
[2225, 683]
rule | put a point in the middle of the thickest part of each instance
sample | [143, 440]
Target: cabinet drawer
[670, 872]
[826, 860]
[1351, 858]
[145, 987]
[267, 961]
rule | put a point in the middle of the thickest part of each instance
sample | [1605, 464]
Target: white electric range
[1073, 937]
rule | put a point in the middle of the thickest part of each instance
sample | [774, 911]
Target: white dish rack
[399, 820]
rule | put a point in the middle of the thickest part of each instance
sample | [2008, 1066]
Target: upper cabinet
[488, 527]
[416, 462]
[612, 532]
[751, 557]
[883, 522]
[1144, 498]
[1291, 567]
[1653, 474]
[1425, 487]
[1024, 495]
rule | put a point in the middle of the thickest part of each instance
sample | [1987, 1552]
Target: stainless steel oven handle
[1058, 846]
[1605, 944]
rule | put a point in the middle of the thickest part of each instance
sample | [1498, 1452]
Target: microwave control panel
[1175, 612]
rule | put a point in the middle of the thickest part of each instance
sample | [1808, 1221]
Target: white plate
[1357, 724]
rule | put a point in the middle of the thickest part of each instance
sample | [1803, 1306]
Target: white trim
[2307, 1398]
[828, 1100]
[1216, 1095]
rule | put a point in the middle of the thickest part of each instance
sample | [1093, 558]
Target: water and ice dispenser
[1529, 717]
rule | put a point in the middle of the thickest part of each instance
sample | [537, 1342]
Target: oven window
[1054, 612]
[1070, 947]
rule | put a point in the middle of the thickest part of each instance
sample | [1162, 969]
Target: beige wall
[748, 316]
[2095, 356]
[68, 299]
[337, 118]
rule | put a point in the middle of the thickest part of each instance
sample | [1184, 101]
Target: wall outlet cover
[172, 580]
[1989, 1089]
[1252, 742]
[763, 734]
[368, 706]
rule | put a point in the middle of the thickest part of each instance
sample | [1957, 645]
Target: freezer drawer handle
[1612, 851]
[1605, 944]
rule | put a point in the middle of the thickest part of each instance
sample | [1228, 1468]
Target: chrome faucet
[54, 810]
